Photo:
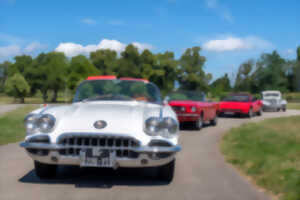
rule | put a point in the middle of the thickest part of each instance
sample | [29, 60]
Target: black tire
[199, 123]
[250, 113]
[214, 121]
[166, 172]
[283, 108]
[44, 171]
[259, 113]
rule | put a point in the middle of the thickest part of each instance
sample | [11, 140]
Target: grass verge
[12, 125]
[269, 152]
[293, 106]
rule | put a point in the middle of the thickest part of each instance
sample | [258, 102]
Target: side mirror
[166, 100]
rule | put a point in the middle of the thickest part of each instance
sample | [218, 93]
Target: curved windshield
[117, 90]
[271, 95]
[238, 98]
[186, 95]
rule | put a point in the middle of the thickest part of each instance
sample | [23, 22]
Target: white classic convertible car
[111, 123]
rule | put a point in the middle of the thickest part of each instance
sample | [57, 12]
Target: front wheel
[214, 121]
[259, 113]
[199, 123]
[44, 171]
[283, 108]
[166, 172]
[250, 113]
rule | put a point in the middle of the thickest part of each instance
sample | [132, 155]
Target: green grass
[12, 125]
[269, 152]
[63, 97]
[293, 106]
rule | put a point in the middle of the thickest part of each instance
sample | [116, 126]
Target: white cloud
[236, 44]
[89, 21]
[290, 52]
[220, 9]
[10, 50]
[73, 49]
[34, 46]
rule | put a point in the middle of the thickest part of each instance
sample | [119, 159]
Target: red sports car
[192, 107]
[244, 104]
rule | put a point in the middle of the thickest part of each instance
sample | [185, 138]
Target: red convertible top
[110, 77]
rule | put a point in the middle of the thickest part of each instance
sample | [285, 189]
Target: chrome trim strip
[142, 149]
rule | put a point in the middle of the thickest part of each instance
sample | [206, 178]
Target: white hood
[121, 117]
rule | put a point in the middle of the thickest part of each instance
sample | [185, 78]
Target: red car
[240, 103]
[192, 107]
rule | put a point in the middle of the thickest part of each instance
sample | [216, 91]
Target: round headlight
[30, 124]
[152, 126]
[193, 109]
[169, 127]
[46, 123]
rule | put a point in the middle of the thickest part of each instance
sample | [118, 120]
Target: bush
[16, 86]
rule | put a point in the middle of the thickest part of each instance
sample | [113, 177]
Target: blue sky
[229, 32]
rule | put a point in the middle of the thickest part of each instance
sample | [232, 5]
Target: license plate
[96, 157]
[229, 113]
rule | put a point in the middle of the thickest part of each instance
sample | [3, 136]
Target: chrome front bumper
[145, 158]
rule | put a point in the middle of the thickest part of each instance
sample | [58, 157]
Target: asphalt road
[6, 108]
[201, 173]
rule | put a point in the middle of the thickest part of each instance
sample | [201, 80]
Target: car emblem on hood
[100, 124]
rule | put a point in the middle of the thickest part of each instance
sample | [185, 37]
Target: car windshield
[238, 98]
[117, 90]
[186, 95]
[271, 95]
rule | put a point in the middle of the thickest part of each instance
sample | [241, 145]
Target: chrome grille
[179, 108]
[74, 143]
[272, 101]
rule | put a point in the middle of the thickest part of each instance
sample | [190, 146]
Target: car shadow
[98, 177]
[189, 126]
[236, 116]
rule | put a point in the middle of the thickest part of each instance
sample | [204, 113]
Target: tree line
[53, 72]
[269, 72]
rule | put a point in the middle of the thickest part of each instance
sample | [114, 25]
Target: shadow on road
[98, 178]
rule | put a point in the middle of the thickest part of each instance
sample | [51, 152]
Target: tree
[4, 67]
[80, 68]
[48, 72]
[243, 80]
[297, 71]
[105, 61]
[220, 85]
[129, 65]
[191, 73]
[270, 74]
[21, 64]
[165, 71]
[17, 87]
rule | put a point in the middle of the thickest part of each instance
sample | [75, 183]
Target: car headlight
[30, 124]
[193, 108]
[46, 123]
[152, 126]
[35, 123]
[166, 127]
[169, 127]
